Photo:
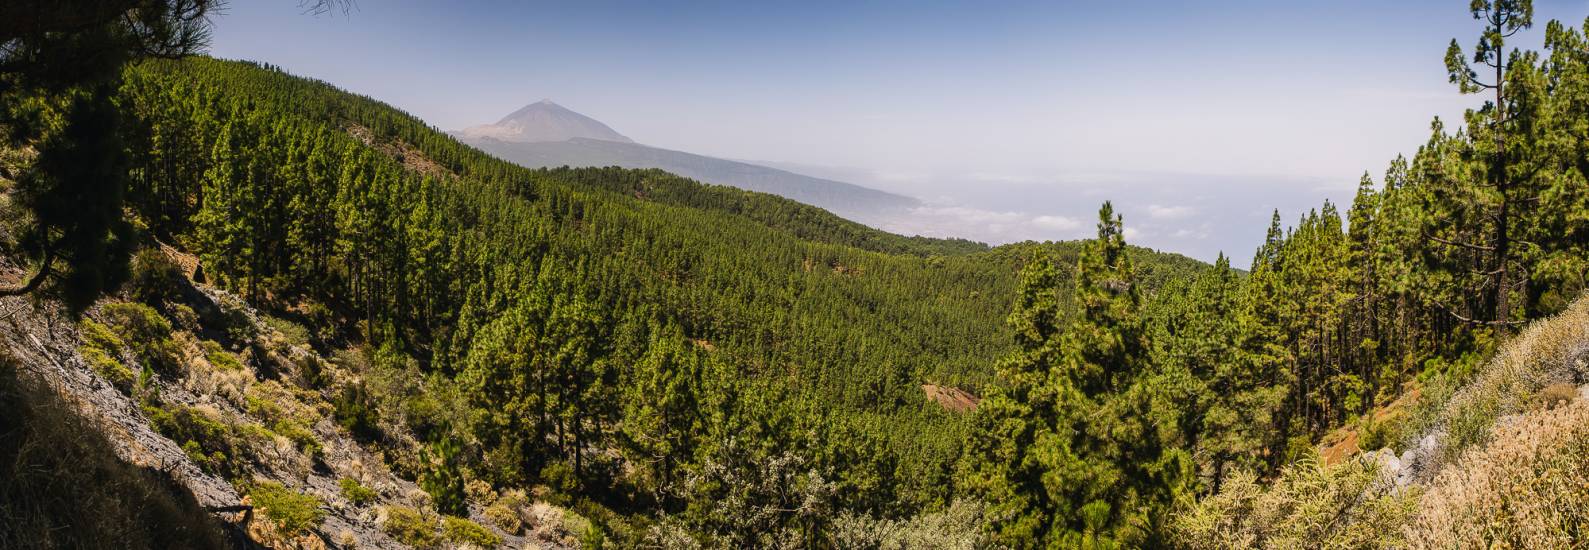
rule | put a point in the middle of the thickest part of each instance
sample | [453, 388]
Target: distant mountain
[544, 121]
[546, 135]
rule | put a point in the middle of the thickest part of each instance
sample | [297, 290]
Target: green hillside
[579, 296]
[323, 318]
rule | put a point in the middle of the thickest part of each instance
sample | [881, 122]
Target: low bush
[356, 492]
[1378, 432]
[1546, 352]
[1354, 504]
[294, 333]
[293, 513]
[463, 531]
[219, 357]
[507, 511]
[302, 438]
[355, 411]
[155, 279]
[213, 444]
[145, 333]
[958, 526]
[100, 348]
[410, 526]
[1527, 488]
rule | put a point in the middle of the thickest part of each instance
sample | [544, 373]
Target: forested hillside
[294, 292]
[611, 332]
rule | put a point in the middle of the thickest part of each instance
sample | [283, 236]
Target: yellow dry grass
[1550, 351]
[1528, 488]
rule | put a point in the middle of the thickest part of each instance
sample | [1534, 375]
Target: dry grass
[1527, 488]
[1548, 352]
[1355, 504]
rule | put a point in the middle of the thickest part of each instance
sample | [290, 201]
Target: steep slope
[229, 405]
[530, 138]
[1498, 458]
[544, 121]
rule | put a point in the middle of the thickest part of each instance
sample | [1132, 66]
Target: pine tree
[662, 417]
[1499, 190]
[1076, 450]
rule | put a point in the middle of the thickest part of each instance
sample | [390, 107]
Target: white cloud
[994, 226]
[1161, 212]
[1056, 222]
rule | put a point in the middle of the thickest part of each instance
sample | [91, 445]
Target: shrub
[294, 513]
[958, 526]
[1350, 505]
[110, 369]
[443, 479]
[311, 369]
[146, 334]
[1378, 432]
[184, 317]
[100, 348]
[219, 357]
[294, 333]
[1555, 395]
[155, 278]
[506, 511]
[322, 320]
[560, 478]
[463, 531]
[410, 526]
[231, 316]
[214, 445]
[1528, 488]
[355, 411]
[1542, 354]
[480, 492]
[301, 437]
[505, 518]
[356, 492]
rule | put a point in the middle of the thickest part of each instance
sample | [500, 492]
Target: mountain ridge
[544, 121]
[514, 139]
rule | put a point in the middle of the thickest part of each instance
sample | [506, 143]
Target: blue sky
[1014, 119]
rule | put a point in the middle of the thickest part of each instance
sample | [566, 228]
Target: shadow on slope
[62, 486]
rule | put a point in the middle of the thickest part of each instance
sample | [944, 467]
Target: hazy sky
[1014, 119]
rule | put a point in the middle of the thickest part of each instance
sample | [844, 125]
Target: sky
[1013, 120]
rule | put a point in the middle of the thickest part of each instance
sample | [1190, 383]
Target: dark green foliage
[73, 192]
[62, 61]
[155, 278]
[355, 411]
[1075, 451]
[443, 479]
